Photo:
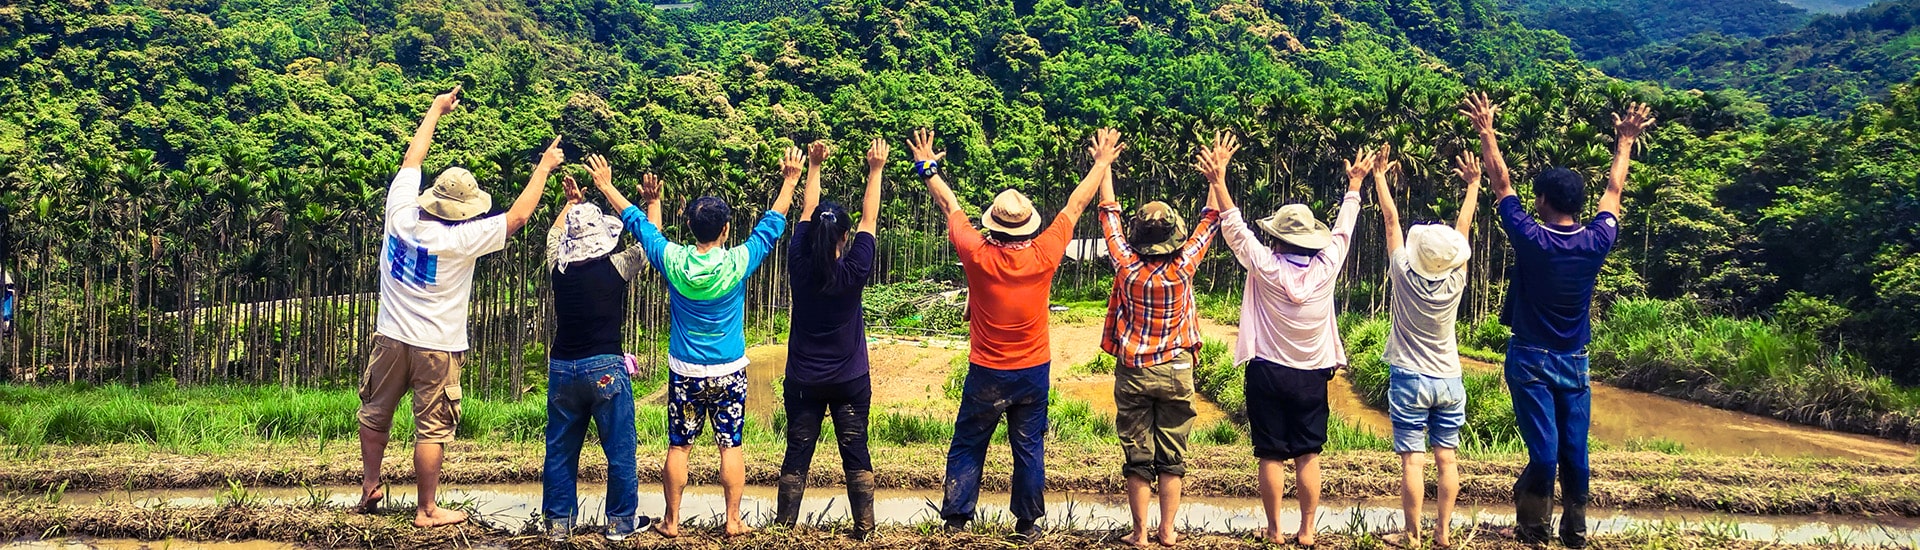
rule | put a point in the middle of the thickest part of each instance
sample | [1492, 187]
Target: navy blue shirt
[1550, 289]
[828, 342]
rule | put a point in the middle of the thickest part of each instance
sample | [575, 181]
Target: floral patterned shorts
[691, 402]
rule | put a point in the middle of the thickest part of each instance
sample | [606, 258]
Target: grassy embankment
[318, 525]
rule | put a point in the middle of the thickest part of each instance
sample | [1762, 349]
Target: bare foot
[1303, 539]
[370, 499]
[1270, 535]
[1400, 540]
[736, 528]
[666, 529]
[1133, 539]
[1168, 537]
[437, 516]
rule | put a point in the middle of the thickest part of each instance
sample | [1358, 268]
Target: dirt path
[1622, 416]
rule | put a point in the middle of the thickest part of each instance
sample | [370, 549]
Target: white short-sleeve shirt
[426, 269]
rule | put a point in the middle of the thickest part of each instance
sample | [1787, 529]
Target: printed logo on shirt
[1612, 222]
[411, 265]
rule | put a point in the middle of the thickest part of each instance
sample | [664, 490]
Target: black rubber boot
[1531, 516]
[860, 498]
[1573, 525]
[793, 488]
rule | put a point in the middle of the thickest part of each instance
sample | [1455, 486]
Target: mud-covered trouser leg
[1574, 409]
[1533, 412]
[805, 410]
[982, 400]
[860, 497]
[1027, 434]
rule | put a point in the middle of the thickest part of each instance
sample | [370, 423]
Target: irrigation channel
[514, 506]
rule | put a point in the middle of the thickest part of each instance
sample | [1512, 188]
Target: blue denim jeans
[1553, 405]
[593, 389]
[1022, 396]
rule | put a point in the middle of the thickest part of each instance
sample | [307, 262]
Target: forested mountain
[162, 150]
[1601, 29]
[1826, 68]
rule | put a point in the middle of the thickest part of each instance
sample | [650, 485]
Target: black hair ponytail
[830, 225]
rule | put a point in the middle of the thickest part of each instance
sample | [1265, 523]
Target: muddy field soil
[335, 528]
[1620, 479]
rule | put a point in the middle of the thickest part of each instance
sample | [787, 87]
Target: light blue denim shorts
[1425, 409]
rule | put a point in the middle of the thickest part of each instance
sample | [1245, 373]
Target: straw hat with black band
[1011, 214]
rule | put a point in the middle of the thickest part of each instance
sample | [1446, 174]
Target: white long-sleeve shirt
[1287, 314]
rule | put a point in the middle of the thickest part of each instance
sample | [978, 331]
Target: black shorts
[1286, 409]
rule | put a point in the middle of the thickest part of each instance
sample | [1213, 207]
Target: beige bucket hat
[455, 196]
[1437, 250]
[1157, 230]
[1011, 213]
[1294, 224]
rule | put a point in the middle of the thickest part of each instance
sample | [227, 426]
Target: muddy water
[1622, 416]
[514, 506]
[126, 544]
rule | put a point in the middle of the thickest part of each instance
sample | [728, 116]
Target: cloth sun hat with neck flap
[455, 196]
[1294, 224]
[1011, 213]
[589, 234]
[1157, 230]
[1438, 250]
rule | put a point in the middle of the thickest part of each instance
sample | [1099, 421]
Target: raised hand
[1382, 166]
[1361, 164]
[921, 146]
[1209, 166]
[1225, 144]
[817, 152]
[1480, 110]
[1639, 118]
[1106, 146]
[877, 154]
[553, 156]
[650, 188]
[601, 170]
[1467, 168]
[792, 163]
[574, 196]
[445, 103]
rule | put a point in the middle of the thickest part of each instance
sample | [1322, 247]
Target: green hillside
[1826, 68]
[1601, 29]
[166, 150]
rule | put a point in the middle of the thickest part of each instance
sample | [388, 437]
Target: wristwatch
[926, 168]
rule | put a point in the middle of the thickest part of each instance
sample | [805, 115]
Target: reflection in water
[514, 506]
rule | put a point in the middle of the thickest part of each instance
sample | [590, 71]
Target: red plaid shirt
[1150, 316]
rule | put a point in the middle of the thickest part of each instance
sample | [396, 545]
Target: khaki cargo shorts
[432, 375]
[1155, 415]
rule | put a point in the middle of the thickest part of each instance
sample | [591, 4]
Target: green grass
[1753, 365]
[1099, 364]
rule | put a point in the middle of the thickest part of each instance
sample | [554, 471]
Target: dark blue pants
[1553, 406]
[1022, 396]
[593, 389]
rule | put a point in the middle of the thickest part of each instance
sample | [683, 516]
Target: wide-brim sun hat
[589, 234]
[1294, 224]
[1157, 230]
[455, 196]
[1438, 250]
[1012, 214]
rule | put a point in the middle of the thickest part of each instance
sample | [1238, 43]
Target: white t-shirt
[426, 269]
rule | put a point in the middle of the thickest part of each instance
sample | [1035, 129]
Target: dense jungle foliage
[160, 152]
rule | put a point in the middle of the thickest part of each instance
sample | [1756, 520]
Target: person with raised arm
[829, 263]
[1154, 337]
[1426, 399]
[707, 343]
[1009, 264]
[1289, 340]
[587, 371]
[1557, 261]
[433, 240]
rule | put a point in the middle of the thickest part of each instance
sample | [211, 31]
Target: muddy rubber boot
[793, 488]
[1573, 525]
[860, 498]
[1531, 516]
